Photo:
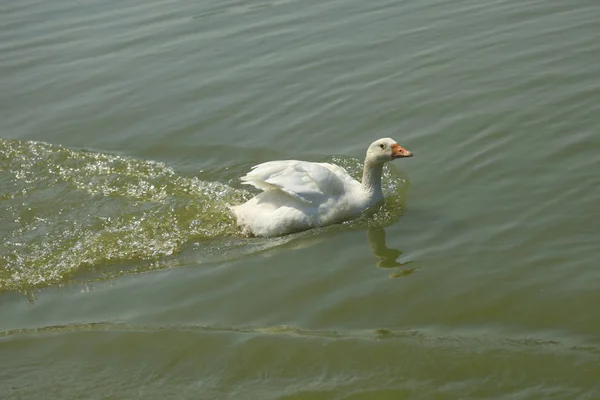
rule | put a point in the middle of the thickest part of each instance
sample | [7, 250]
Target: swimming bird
[299, 195]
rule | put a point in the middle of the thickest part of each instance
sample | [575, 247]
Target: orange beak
[399, 151]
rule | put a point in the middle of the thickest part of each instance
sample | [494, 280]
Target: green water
[126, 125]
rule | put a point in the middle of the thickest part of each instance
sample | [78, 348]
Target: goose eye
[382, 146]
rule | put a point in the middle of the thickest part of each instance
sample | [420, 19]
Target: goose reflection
[387, 257]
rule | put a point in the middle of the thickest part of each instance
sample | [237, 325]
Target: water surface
[125, 128]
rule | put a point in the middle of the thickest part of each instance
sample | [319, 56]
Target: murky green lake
[125, 127]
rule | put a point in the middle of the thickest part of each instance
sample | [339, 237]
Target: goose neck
[371, 179]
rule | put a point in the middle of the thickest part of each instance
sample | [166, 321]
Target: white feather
[299, 195]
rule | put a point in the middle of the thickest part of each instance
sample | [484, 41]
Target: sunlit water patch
[73, 211]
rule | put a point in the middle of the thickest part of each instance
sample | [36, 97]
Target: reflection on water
[388, 258]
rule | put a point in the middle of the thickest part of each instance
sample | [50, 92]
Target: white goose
[299, 195]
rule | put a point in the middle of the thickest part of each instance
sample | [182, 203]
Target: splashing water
[68, 211]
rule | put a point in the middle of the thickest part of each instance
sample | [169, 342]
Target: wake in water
[67, 212]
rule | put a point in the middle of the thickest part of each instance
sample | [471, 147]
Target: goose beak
[400, 152]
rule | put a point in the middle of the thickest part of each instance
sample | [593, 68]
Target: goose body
[299, 195]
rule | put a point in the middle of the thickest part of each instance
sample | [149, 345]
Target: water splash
[67, 212]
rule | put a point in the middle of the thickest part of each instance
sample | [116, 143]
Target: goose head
[384, 150]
